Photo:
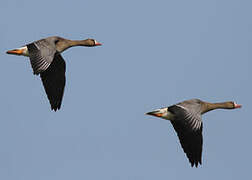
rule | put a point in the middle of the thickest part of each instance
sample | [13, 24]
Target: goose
[46, 61]
[185, 117]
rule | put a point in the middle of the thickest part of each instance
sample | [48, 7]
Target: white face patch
[95, 42]
[166, 114]
[25, 51]
[162, 110]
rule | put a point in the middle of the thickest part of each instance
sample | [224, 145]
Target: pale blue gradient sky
[155, 53]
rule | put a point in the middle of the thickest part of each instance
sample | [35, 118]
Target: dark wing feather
[41, 55]
[54, 81]
[189, 130]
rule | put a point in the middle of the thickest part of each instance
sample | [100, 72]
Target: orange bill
[15, 51]
[155, 113]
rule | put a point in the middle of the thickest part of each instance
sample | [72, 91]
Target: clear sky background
[154, 54]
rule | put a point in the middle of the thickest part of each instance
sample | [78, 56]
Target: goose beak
[237, 105]
[156, 113]
[16, 52]
[97, 43]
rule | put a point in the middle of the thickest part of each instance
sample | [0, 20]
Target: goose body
[46, 60]
[186, 120]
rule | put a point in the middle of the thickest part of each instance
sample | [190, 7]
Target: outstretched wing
[188, 126]
[41, 55]
[54, 81]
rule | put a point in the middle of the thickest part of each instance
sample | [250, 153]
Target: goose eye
[56, 41]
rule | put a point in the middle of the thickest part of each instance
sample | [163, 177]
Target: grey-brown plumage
[186, 120]
[46, 60]
[54, 81]
[188, 125]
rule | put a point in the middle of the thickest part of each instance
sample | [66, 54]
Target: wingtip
[55, 108]
[195, 163]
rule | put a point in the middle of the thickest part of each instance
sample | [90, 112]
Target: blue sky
[154, 54]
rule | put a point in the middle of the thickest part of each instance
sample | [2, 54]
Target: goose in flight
[186, 120]
[46, 60]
